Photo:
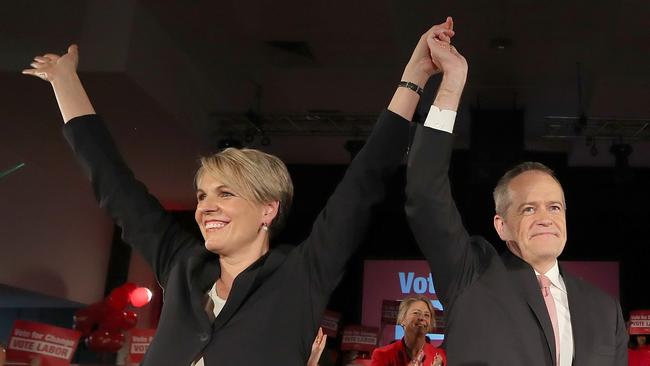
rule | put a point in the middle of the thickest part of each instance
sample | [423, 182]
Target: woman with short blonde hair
[405, 305]
[260, 177]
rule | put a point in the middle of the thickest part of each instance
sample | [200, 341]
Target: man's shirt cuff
[442, 120]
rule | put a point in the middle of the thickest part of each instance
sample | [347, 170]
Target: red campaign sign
[359, 338]
[441, 324]
[330, 323]
[139, 341]
[389, 310]
[640, 322]
[53, 345]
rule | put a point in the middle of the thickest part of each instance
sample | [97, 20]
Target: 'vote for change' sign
[53, 345]
[359, 338]
[139, 342]
[639, 322]
[330, 323]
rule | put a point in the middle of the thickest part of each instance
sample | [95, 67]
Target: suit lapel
[241, 287]
[525, 281]
[247, 282]
[204, 270]
[579, 324]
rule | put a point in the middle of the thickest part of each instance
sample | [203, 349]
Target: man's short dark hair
[501, 193]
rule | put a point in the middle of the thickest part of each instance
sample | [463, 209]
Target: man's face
[534, 225]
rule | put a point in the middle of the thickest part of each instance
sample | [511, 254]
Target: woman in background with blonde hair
[416, 316]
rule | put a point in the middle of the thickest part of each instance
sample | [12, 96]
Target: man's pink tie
[545, 285]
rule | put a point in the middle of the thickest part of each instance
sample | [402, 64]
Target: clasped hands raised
[435, 53]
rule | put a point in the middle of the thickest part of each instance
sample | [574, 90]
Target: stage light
[140, 297]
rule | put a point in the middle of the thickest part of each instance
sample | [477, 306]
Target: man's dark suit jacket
[495, 310]
[275, 306]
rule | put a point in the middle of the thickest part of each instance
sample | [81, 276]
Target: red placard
[139, 341]
[330, 323]
[640, 322]
[441, 324]
[54, 346]
[389, 310]
[359, 338]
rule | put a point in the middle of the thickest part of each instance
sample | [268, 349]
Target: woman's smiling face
[227, 220]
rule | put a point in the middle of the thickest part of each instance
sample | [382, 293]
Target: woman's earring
[265, 227]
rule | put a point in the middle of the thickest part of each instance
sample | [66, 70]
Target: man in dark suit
[518, 308]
